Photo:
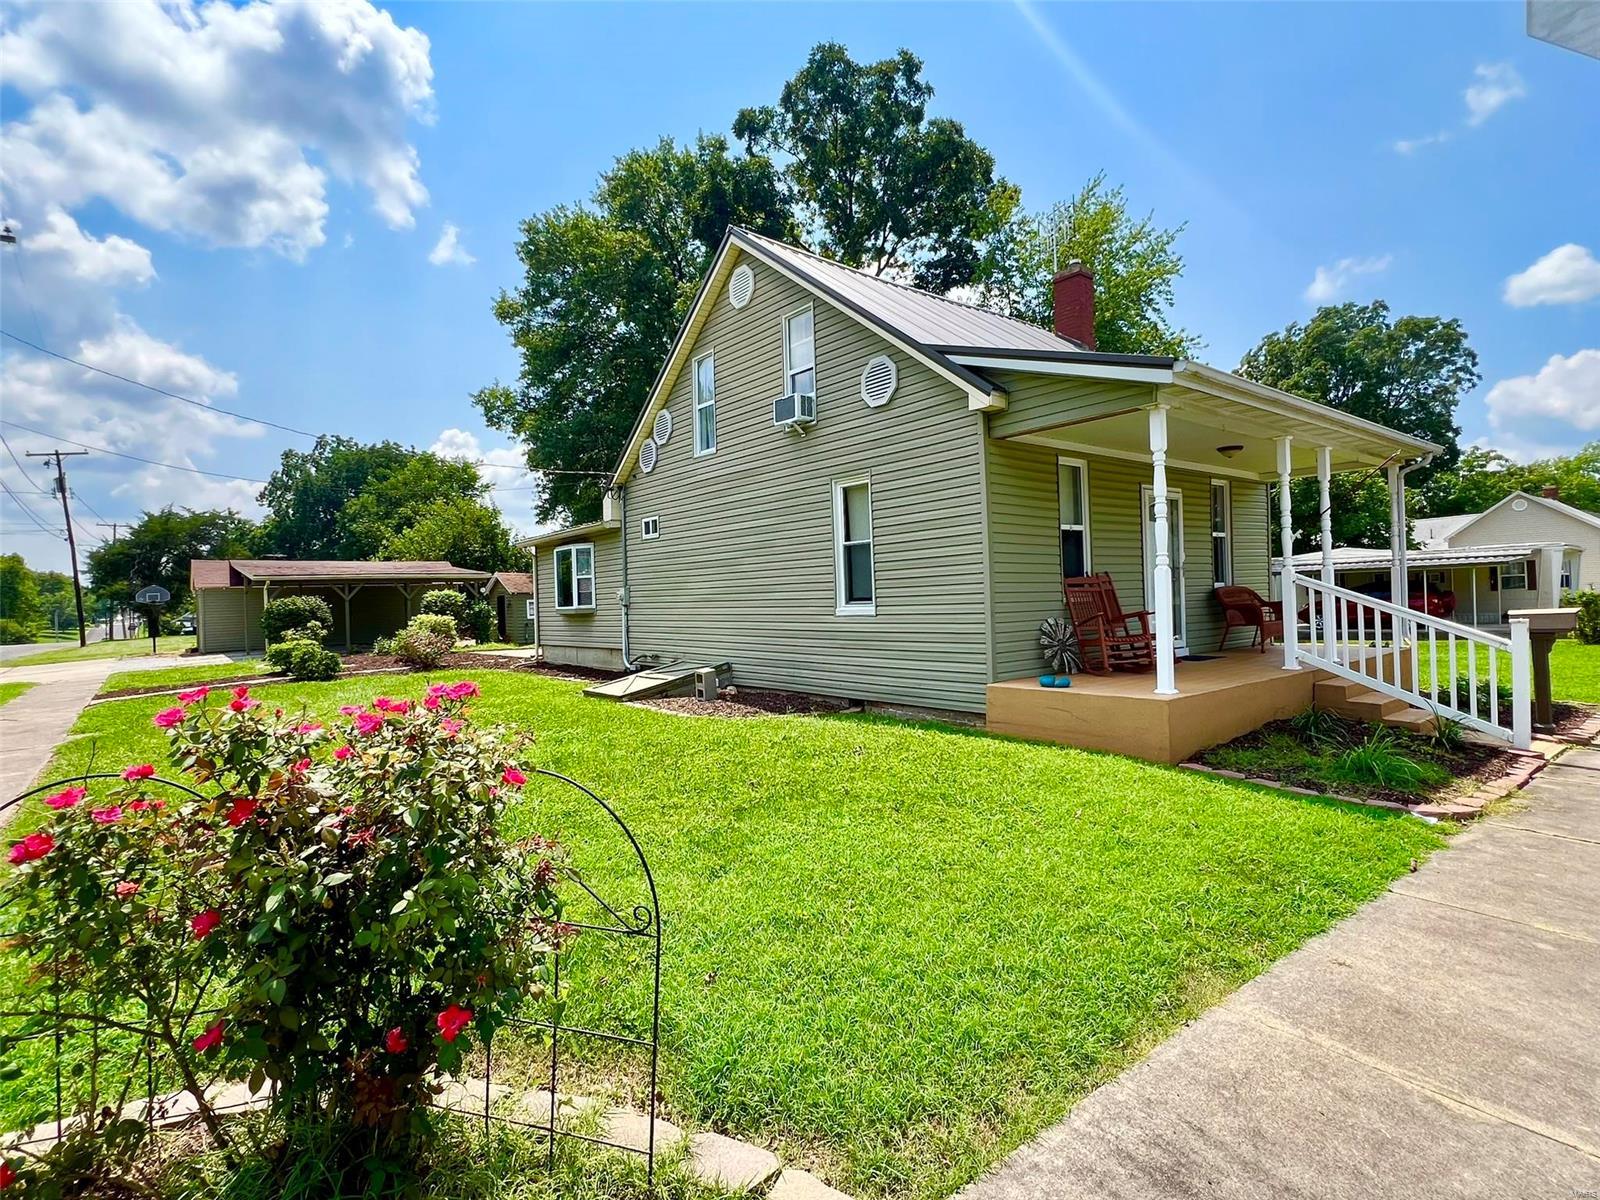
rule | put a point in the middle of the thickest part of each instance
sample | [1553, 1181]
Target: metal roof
[1359, 558]
[209, 572]
[588, 529]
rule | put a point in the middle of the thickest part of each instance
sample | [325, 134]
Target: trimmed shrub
[303, 658]
[445, 602]
[383, 645]
[425, 645]
[14, 633]
[279, 616]
[479, 619]
[311, 631]
[439, 623]
[1587, 602]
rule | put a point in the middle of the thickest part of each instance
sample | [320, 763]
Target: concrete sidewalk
[1442, 1042]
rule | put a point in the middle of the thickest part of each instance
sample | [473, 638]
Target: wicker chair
[1243, 608]
[1109, 638]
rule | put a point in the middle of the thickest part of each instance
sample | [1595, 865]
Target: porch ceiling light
[1229, 451]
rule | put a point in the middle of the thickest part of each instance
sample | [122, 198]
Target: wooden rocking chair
[1109, 638]
[1243, 608]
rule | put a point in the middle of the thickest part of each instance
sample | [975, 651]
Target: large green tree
[344, 499]
[1133, 259]
[19, 593]
[1408, 373]
[159, 547]
[460, 530]
[604, 288]
[879, 183]
[1485, 477]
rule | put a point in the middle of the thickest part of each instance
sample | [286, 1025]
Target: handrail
[1338, 641]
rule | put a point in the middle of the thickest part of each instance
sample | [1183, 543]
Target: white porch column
[1398, 590]
[1291, 598]
[1166, 663]
[1330, 633]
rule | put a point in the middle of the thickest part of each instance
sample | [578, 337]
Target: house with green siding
[849, 487]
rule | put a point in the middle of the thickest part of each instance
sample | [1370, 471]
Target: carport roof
[239, 572]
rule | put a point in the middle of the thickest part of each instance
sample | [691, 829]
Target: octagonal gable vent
[878, 381]
[647, 456]
[741, 286]
[663, 427]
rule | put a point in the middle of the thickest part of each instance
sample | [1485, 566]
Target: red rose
[142, 771]
[240, 692]
[210, 1039]
[107, 816]
[342, 753]
[203, 923]
[301, 766]
[167, 718]
[452, 1021]
[241, 811]
[513, 777]
[368, 723]
[8, 1176]
[34, 846]
[191, 697]
[395, 1041]
[67, 798]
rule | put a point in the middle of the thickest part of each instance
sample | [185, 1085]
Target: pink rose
[193, 696]
[301, 766]
[167, 718]
[368, 723]
[142, 771]
[431, 703]
[67, 798]
[240, 704]
[451, 726]
[342, 753]
[210, 1039]
[308, 727]
[240, 692]
[201, 924]
[107, 816]
[34, 846]
[513, 777]
[127, 888]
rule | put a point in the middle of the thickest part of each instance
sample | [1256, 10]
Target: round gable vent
[741, 286]
[663, 427]
[878, 380]
[1519, 505]
[647, 456]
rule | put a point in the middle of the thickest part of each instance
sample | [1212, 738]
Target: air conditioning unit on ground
[797, 409]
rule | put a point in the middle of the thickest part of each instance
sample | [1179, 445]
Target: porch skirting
[1217, 700]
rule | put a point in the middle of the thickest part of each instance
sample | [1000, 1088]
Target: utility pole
[111, 609]
[72, 542]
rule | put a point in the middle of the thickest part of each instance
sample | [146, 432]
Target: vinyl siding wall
[583, 638]
[1536, 523]
[744, 567]
[1025, 544]
[520, 627]
[228, 620]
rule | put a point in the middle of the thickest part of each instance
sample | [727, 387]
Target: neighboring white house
[1525, 518]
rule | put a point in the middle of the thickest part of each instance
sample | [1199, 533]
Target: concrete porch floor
[1219, 699]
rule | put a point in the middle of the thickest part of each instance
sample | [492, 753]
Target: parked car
[1439, 603]
[186, 623]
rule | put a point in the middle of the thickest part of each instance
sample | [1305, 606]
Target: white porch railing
[1382, 645]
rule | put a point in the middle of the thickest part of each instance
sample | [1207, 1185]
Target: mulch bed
[742, 703]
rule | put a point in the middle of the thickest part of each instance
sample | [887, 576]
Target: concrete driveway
[1442, 1042]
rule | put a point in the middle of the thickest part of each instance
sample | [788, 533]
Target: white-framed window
[531, 609]
[1569, 568]
[705, 404]
[1514, 576]
[1221, 533]
[574, 567]
[650, 528]
[852, 537]
[1072, 487]
[799, 353]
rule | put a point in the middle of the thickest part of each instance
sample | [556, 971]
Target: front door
[1147, 493]
[500, 614]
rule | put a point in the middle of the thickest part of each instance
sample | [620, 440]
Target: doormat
[1200, 658]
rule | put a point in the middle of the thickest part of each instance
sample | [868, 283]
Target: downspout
[1404, 597]
[622, 507]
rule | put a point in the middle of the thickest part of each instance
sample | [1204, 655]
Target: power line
[149, 462]
[28, 512]
[66, 512]
[150, 387]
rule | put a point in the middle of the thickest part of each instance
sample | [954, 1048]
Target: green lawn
[10, 691]
[183, 676]
[1574, 669]
[121, 648]
[897, 950]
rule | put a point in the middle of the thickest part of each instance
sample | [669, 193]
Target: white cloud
[1495, 85]
[113, 261]
[1330, 282]
[448, 249]
[199, 119]
[1569, 274]
[1412, 145]
[1556, 407]
[503, 468]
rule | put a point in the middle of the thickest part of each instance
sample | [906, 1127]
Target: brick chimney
[1073, 294]
[1552, 492]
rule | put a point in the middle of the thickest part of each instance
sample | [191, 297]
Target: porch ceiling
[1198, 423]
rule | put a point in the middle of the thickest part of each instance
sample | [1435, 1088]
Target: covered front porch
[1169, 432]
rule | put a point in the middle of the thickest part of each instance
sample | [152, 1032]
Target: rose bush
[341, 916]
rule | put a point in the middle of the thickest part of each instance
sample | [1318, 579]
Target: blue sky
[240, 205]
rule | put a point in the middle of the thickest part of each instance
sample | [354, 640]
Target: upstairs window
[799, 354]
[1221, 533]
[575, 578]
[705, 404]
[1072, 483]
[852, 524]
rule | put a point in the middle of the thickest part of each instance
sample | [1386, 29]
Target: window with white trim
[799, 353]
[852, 526]
[1072, 487]
[1514, 576]
[650, 528]
[531, 610]
[574, 567]
[705, 404]
[1221, 533]
[1569, 568]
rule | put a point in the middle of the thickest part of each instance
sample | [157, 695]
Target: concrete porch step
[1361, 703]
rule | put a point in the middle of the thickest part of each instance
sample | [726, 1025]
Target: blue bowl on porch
[1047, 681]
[1055, 681]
